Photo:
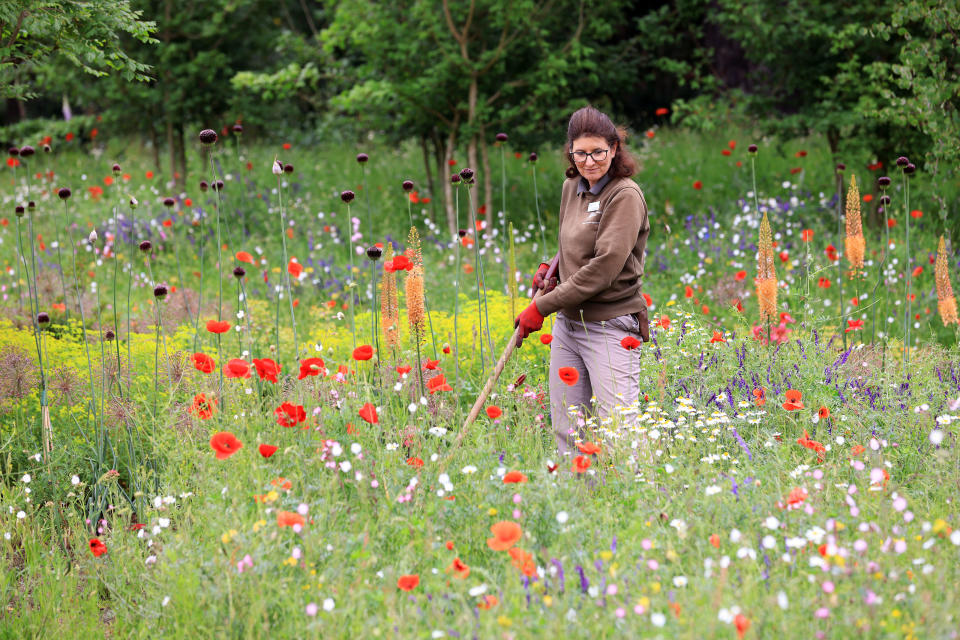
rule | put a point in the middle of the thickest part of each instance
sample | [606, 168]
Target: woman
[598, 301]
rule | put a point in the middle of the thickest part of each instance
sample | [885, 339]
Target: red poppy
[523, 561]
[853, 325]
[97, 547]
[225, 444]
[569, 375]
[294, 268]
[664, 322]
[446, 349]
[786, 318]
[203, 407]
[630, 343]
[203, 363]
[806, 235]
[148, 175]
[740, 275]
[505, 535]
[651, 133]
[581, 464]
[243, 256]
[432, 364]
[494, 412]
[458, 568]
[793, 400]
[364, 352]
[813, 445]
[546, 338]
[831, 252]
[289, 519]
[369, 413]
[868, 197]
[13, 162]
[514, 477]
[857, 449]
[717, 336]
[823, 413]
[740, 621]
[267, 369]
[267, 450]
[760, 396]
[891, 223]
[824, 283]
[784, 256]
[725, 152]
[214, 326]
[402, 263]
[408, 583]
[588, 448]
[414, 462]
[404, 369]
[289, 414]
[688, 292]
[715, 540]
[698, 185]
[286, 146]
[237, 368]
[661, 111]
[438, 383]
[311, 367]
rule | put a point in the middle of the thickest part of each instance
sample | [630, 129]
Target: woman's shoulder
[624, 187]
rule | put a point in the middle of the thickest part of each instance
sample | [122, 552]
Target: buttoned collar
[595, 190]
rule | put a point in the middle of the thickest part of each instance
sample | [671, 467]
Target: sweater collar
[584, 186]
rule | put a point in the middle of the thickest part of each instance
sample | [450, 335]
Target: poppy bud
[145, 246]
[203, 185]
[169, 202]
[31, 205]
[116, 168]
[43, 317]
[208, 137]
[909, 169]
[532, 157]
[19, 210]
[277, 167]
[407, 185]
[92, 238]
[467, 174]
[884, 199]
[109, 335]
[218, 185]
[362, 157]
[347, 196]
[239, 272]
[501, 137]
[902, 161]
[133, 202]
[238, 128]
[46, 148]
[841, 167]
[160, 291]
[462, 233]
[288, 168]
[13, 151]
[455, 178]
[883, 182]
[64, 193]
[374, 252]
[752, 149]
[26, 151]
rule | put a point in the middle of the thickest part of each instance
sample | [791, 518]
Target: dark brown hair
[589, 121]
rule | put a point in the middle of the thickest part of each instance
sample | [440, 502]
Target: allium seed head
[752, 148]
[533, 157]
[501, 137]
[288, 168]
[169, 202]
[902, 161]
[109, 335]
[884, 199]
[362, 157]
[238, 128]
[160, 292]
[841, 167]
[64, 193]
[239, 272]
[43, 317]
[203, 185]
[910, 168]
[47, 148]
[883, 182]
[407, 185]
[374, 252]
[31, 205]
[116, 168]
[145, 246]
[347, 196]
[208, 137]
[27, 151]
[462, 233]
[19, 210]
[13, 151]
[455, 178]
[467, 174]
[218, 185]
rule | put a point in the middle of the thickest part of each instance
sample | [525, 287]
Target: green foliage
[85, 35]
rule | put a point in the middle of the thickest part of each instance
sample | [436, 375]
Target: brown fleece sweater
[602, 242]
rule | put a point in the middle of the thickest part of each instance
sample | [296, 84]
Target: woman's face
[591, 168]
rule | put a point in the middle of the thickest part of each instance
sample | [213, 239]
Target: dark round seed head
[64, 193]
[19, 210]
[169, 202]
[902, 161]
[203, 185]
[467, 174]
[13, 151]
[752, 148]
[841, 167]
[238, 128]
[884, 199]
[208, 136]
[455, 178]
[288, 168]
[145, 246]
[501, 137]
[109, 335]
[462, 232]
[347, 196]
[883, 182]
[218, 185]
[43, 317]
[160, 292]
[910, 168]
[27, 151]
[239, 272]
[407, 185]
[47, 148]
[362, 157]
[533, 157]
[374, 252]
[116, 168]
[31, 205]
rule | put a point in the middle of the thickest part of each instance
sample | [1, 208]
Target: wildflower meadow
[232, 409]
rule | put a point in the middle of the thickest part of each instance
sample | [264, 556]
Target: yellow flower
[547, 600]
[491, 511]
[504, 621]
[228, 536]
[606, 555]
[259, 524]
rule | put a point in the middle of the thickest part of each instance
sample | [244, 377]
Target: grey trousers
[608, 372]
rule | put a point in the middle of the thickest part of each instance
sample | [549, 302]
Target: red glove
[529, 321]
[540, 280]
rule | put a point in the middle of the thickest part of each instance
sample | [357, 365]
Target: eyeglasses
[598, 155]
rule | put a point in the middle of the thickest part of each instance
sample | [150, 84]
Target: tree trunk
[181, 156]
[426, 165]
[155, 142]
[171, 148]
[447, 186]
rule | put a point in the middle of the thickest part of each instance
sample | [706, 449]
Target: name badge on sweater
[593, 206]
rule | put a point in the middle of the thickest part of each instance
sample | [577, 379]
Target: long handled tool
[497, 370]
